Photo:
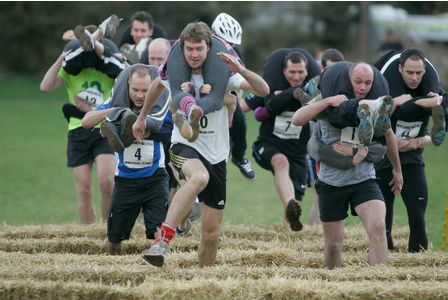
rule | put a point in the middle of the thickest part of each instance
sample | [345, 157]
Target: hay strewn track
[254, 262]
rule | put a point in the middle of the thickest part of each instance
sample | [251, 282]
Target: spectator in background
[136, 38]
[391, 42]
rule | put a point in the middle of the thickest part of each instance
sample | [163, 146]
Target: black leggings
[415, 197]
[238, 143]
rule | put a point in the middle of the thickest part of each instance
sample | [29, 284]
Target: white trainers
[156, 254]
[109, 26]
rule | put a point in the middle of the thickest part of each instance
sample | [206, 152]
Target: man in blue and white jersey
[141, 181]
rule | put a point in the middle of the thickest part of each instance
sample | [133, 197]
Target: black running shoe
[245, 168]
[293, 213]
[126, 123]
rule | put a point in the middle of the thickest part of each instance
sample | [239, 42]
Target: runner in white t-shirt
[201, 163]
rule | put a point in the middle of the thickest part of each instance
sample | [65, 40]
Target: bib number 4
[139, 155]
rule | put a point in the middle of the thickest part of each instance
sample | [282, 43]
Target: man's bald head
[361, 78]
[158, 50]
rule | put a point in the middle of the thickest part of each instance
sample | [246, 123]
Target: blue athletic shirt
[140, 159]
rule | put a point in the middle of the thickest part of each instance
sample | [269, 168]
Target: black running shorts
[214, 194]
[84, 145]
[263, 153]
[334, 201]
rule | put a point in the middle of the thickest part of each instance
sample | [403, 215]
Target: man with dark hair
[310, 92]
[281, 146]
[331, 56]
[141, 181]
[202, 163]
[135, 38]
[413, 78]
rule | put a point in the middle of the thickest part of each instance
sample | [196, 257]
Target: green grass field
[37, 187]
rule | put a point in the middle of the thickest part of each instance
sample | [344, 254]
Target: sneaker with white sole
[109, 26]
[245, 168]
[156, 254]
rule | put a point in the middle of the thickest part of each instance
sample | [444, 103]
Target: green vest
[87, 78]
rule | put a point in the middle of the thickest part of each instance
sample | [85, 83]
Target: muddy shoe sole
[84, 39]
[184, 129]
[127, 137]
[130, 53]
[300, 95]
[293, 212]
[155, 260]
[382, 122]
[111, 134]
[365, 129]
[111, 26]
[195, 117]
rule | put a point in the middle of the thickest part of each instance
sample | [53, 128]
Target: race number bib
[283, 127]
[92, 96]
[207, 124]
[406, 130]
[349, 135]
[139, 155]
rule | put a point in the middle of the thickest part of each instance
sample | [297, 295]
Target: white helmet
[227, 28]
